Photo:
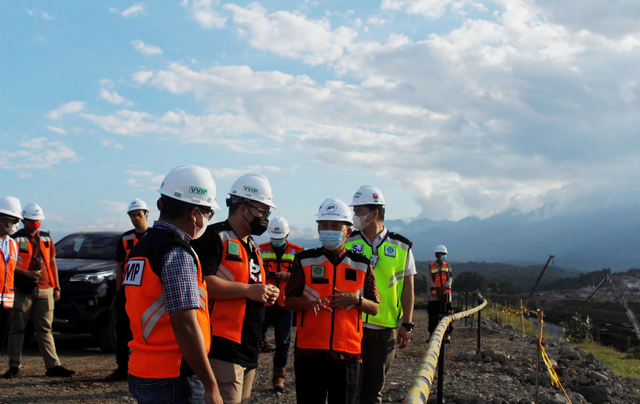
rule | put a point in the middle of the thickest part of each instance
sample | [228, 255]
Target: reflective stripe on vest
[227, 316]
[273, 264]
[7, 272]
[25, 251]
[339, 330]
[389, 273]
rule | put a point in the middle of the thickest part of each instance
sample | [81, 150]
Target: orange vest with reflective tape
[6, 275]
[440, 277]
[129, 241]
[227, 316]
[341, 329]
[155, 351]
[25, 251]
[274, 264]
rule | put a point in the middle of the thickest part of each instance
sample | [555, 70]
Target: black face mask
[258, 224]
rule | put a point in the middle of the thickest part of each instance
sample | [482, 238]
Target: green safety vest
[389, 273]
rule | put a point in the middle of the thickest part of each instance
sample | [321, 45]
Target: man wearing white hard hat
[394, 267]
[439, 282]
[237, 283]
[37, 288]
[10, 215]
[278, 255]
[167, 300]
[330, 288]
[138, 212]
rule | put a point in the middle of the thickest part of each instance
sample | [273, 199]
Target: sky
[452, 108]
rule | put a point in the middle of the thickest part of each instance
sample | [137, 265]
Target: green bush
[577, 330]
[634, 353]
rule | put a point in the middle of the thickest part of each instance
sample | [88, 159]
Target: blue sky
[453, 108]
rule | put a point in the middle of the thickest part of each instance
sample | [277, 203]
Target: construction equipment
[538, 281]
[621, 301]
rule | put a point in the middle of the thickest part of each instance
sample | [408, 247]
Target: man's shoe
[278, 380]
[11, 373]
[59, 371]
[118, 374]
[267, 348]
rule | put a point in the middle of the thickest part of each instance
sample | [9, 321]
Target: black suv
[87, 272]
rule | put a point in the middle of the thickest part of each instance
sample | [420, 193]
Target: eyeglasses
[208, 214]
[264, 212]
[11, 219]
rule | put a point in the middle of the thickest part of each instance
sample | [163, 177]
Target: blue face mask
[331, 239]
[443, 257]
[278, 242]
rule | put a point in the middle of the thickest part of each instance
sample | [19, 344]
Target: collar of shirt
[336, 255]
[378, 240]
[158, 224]
[4, 246]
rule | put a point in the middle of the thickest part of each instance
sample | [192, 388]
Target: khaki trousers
[234, 381]
[37, 307]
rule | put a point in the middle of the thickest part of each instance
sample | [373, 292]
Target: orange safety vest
[129, 240]
[440, 277]
[341, 329]
[155, 351]
[6, 275]
[25, 251]
[274, 264]
[227, 316]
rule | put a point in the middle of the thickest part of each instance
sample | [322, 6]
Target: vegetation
[616, 360]
[577, 330]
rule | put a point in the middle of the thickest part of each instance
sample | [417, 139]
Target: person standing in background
[10, 215]
[439, 282]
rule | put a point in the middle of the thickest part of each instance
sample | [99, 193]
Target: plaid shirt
[179, 274]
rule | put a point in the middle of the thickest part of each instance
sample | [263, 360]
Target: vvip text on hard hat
[254, 187]
[191, 184]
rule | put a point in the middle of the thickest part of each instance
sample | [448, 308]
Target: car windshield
[99, 246]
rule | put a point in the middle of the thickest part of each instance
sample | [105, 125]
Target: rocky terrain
[504, 373]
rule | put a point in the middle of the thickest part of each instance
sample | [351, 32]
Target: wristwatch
[408, 326]
[360, 301]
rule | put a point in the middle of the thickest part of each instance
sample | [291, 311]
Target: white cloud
[142, 76]
[430, 8]
[30, 12]
[46, 16]
[114, 206]
[146, 49]
[202, 11]
[38, 154]
[57, 130]
[113, 97]
[292, 34]
[111, 143]
[131, 11]
[69, 108]
[237, 172]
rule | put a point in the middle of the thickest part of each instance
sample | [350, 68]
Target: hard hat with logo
[137, 204]
[278, 228]
[334, 209]
[190, 184]
[254, 187]
[441, 249]
[10, 206]
[33, 211]
[367, 195]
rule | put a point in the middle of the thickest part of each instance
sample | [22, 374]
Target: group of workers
[194, 301]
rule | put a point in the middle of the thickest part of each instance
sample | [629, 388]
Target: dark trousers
[4, 325]
[281, 320]
[378, 352]
[123, 330]
[318, 378]
[434, 309]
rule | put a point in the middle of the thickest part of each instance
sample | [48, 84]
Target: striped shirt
[179, 274]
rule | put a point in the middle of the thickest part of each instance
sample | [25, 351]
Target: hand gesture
[317, 305]
[343, 299]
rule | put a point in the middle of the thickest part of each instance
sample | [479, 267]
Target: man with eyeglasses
[235, 280]
[138, 212]
[10, 215]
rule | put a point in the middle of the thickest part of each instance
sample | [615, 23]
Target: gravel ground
[464, 382]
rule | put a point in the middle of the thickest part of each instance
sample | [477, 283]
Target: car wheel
[107, 336]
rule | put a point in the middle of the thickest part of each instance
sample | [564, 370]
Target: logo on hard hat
[375, 196]
[198, 190]
[276, 230]
[250, 189]
[330, 208]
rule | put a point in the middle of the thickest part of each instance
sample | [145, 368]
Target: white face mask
[359, 222]
[199, 230]
[11, 228]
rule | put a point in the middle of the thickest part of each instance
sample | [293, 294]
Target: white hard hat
[441, 249]
[10, 206]
[278, 228]
[137, 204]
[255, 187]
[367, 195]
[33, 211]
[190, 184]
[334, 209]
